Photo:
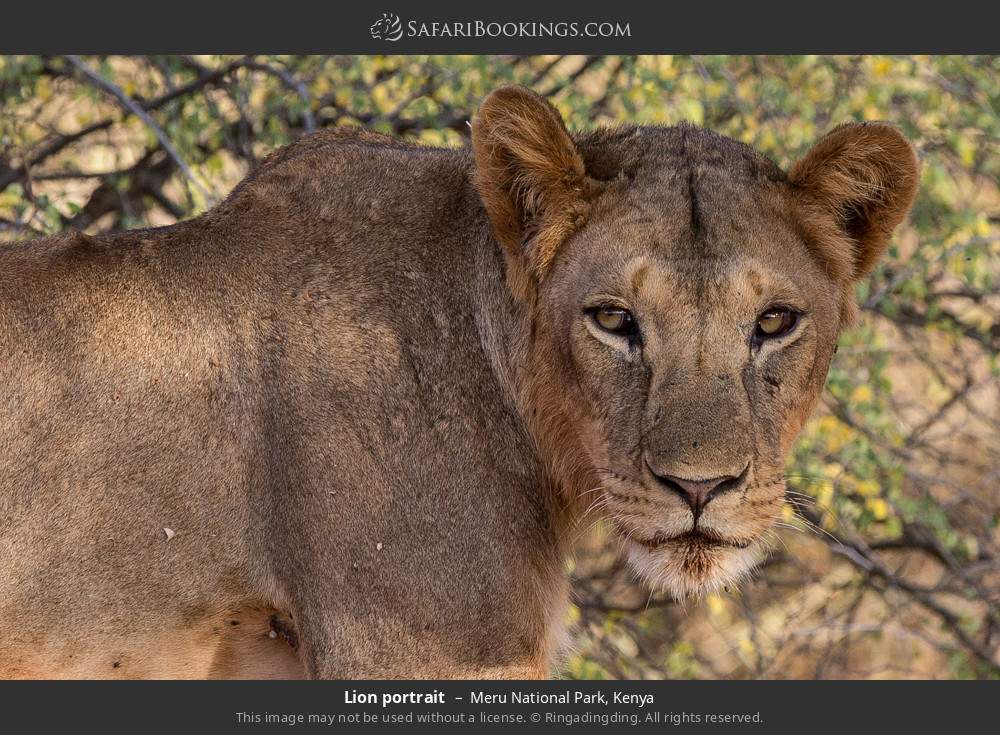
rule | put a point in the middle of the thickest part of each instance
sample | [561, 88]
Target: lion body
[297, 386]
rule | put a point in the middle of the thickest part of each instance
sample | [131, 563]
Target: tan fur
[365, 395]
[865, 174]
[530, 176]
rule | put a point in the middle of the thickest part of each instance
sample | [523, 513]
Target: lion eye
[774, 323]
[614, 320]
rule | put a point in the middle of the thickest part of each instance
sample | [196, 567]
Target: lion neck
[524, 367]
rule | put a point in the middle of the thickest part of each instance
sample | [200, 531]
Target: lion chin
[689, 568]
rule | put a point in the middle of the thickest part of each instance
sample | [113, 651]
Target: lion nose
[698, 493]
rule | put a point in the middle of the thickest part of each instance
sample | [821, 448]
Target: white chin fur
[667, 569]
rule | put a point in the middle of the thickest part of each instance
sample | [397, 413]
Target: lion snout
[697, 489]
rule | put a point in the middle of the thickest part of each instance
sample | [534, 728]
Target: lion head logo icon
[387, 28]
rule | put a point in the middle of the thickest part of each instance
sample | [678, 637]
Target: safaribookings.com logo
[387, 28]
[390, 28]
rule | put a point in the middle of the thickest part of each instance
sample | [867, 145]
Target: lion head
[684, 296]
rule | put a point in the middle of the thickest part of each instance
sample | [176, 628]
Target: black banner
[516, 27]
[683, 706]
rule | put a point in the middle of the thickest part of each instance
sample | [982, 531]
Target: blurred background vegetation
[887, 562]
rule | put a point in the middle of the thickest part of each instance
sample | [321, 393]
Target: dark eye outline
[791, 320]
[629, 328]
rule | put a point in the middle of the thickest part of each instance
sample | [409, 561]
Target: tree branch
[136, 109]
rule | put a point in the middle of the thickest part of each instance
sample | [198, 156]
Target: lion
[346, 423]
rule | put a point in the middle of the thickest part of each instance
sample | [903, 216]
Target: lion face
[685, 297]
[691, 353]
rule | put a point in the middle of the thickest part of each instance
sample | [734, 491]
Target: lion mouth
[690, 563]
[693, 538]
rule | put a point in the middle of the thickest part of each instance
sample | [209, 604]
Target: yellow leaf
[861, 394]
[572, 615]
[867, 488]
[716, 606]
[966, 151]
[832, 470]
[824, 496]
[879, 508]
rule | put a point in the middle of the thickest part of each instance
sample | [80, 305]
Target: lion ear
[857, 183]
[530, 177]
